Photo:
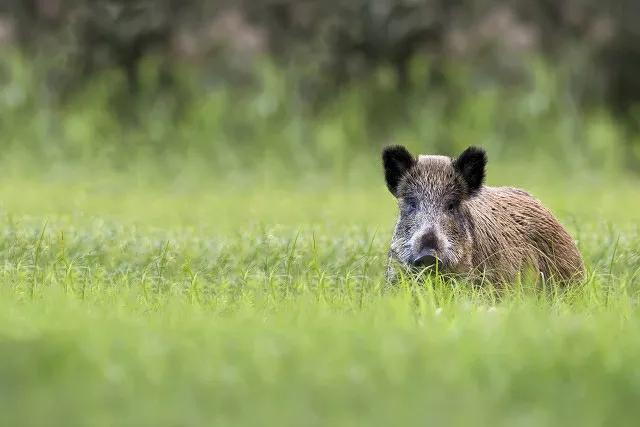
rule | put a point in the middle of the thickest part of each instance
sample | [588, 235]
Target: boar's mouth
[424, 263]
[426, 259]
[436, 266]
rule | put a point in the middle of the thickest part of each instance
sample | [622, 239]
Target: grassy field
[215, 256]
[207, 303]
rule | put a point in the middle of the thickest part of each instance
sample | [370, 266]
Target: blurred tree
[338, 40]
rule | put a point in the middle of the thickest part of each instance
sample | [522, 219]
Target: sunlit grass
[198, 199]
[109, 320]
[219, 261]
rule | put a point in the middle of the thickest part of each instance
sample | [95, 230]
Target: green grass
[215, 256]
[204, 304]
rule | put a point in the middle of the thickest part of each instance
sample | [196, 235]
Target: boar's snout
[426, 254]
[426, 258]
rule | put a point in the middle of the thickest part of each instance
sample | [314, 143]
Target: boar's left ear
[397, 161]
[471, 164]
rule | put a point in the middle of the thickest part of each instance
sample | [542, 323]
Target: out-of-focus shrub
[225, 129]
[332, 42]
[321, 80]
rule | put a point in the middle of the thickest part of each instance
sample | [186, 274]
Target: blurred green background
[290, 87]
[203, 98]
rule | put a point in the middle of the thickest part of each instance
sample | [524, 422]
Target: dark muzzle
[426, 258]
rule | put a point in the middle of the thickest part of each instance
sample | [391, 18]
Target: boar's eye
[452, 206]
[409, 204]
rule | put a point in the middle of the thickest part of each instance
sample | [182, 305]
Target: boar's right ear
[471, 164]
[397, 161]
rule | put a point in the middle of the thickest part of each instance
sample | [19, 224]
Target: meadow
[146, 286]
[143, 306]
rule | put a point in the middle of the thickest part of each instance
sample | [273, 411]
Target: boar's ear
[397, 161]
[470, 164]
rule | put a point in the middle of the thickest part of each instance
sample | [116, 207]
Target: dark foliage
[333, 42]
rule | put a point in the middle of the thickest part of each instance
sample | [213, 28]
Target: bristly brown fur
[488, 233]
[513, 232]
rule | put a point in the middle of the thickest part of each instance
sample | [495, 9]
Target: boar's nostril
[426, 258]
[428, 241]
